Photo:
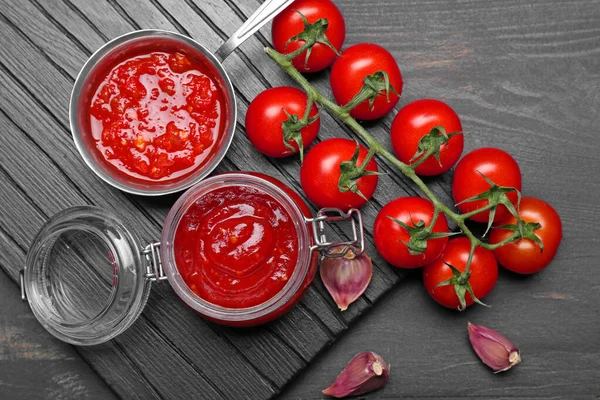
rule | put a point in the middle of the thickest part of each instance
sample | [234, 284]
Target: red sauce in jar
[157, 116]
[236, 247]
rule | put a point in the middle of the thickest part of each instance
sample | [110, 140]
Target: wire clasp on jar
[154, 268]
[319, 227]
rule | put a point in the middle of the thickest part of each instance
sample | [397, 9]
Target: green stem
[468, 215]
[436, 214]
[358, 99]
[298, 51]
[474, 243]
[366, 161]
[492, 247]
[309, 105]
[375, 147]
[420, 160]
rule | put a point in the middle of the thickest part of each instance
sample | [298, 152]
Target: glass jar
[87, 277]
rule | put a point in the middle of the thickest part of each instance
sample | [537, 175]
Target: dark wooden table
[523, 75]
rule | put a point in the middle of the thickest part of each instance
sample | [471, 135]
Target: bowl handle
[266, 12]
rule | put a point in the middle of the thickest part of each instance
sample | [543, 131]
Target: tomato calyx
[431, 144]
[523, 230]
[460, 282]
[312, 34]
[496, 195]
[292, 126]
[420, 234]
[351, 172]
[377, 84]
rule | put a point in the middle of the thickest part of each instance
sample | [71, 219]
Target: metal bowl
[86, 85]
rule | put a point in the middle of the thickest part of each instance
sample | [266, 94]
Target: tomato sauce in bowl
[152, 112]
[157, 115]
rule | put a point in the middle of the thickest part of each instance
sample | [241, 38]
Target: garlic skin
[493, 349]
[366, 372]
[346, 278]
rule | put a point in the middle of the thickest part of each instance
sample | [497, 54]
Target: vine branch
[374, 146]
[343, 114]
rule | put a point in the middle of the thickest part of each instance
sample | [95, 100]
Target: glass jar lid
[85, 276]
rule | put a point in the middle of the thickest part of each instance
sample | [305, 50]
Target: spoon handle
[266, 12]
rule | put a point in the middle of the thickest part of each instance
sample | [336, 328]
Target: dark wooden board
[34, 364]
[524, 76]
[40, 60]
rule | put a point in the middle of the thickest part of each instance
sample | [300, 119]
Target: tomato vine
[343, 113]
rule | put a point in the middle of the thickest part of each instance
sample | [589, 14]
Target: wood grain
[35, 365]
[523, 75]
[42, 85]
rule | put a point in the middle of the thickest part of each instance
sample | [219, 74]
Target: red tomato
[349, 71]
[320, 174]
[524, 256]
[266, 115]
[496, 165]
[484, 272]
[416, 120]
[389, 235]
[289, 24]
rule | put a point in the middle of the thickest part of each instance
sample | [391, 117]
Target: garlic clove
[366, 372]
[346, 278]
[493, 349]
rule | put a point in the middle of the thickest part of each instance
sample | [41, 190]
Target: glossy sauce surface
[236, 247]
[156, 116]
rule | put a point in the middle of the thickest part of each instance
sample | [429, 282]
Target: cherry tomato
[524, 256]
[389, 235]
[498, 166]
[484, 272]
[320, 174]
[416, 120]
[349, 71]
[289, 23]
[266, 115]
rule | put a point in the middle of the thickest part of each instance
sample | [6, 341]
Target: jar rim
[212, 310]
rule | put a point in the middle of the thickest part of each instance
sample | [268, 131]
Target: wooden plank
[29, 355]
[388, 188]
[48, 25]
[523, 76]
[72, 23]
[291, 372]
[105, 17]
[155, 232]
[159, 214]
[40, 31]
[429, 350]
[170, 320]
[471, 58]
[248, 86]
[146, 18]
